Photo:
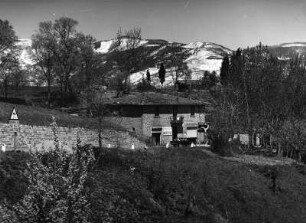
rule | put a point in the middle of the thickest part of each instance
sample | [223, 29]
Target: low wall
[26, 137]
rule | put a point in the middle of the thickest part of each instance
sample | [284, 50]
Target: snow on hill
[104, 46]
[296, 44]
[205, 57]
[199, 56]
[26, 52]
[287, 51]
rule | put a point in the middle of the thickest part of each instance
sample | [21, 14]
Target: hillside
[199, 56]
[180, 185]
[288, 50]
[30, 115]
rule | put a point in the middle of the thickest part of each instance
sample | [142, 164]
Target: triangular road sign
[14, 115]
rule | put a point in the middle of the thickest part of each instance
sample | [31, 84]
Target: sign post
[14, 121]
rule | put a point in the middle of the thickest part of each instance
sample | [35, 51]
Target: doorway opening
[156, 138]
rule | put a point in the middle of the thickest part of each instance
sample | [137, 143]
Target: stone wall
[26, 137]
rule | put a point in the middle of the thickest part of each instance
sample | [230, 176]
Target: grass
[31, 115]
[184, 185]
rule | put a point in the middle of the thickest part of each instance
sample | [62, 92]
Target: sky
[231, 23]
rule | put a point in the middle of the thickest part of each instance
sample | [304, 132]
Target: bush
[12, 174]
[220, 144]
[144, 86]
[63, 99]
[56, 191]
[17, 101]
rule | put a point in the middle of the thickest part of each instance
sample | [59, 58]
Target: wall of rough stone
[26, 137]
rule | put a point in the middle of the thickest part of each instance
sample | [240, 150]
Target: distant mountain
[199, 56]
[288, 50]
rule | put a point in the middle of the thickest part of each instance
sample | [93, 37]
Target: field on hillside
[181, 185]
[30, 115]
[28, 92]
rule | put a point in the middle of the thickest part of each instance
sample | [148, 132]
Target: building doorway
[156, 138]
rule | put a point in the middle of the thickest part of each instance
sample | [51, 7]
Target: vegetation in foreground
[166, 185]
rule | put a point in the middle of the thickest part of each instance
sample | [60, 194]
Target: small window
[192, 111]
[156, 111]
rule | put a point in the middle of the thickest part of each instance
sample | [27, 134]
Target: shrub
[13, 181]
[60, 98]
[56, 191]
[144, 86]
[220, 144]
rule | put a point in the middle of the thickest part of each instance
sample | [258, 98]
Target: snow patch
[105, 45]
[24, 42]
[294, 45]
[283, 58]
[200, 61]
[156, 51]
[194, 45]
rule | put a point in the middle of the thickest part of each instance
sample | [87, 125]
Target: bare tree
[42, 43]
[9, 65]
[98, 98]
[7, 37]
[65, 49]
[176, 60]
[125, 49]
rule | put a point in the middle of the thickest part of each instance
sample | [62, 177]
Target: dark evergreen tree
[148, 76]
[161, 74]
[235, 69]
[224, 73]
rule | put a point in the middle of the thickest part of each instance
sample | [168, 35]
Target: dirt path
[261, 160]
[256, 159]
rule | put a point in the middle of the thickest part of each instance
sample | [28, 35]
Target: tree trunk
[5, 87]
[280, 150]
[100, 132]
[49, 92]
[66, 84]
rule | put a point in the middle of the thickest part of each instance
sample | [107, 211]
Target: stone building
[149, 115]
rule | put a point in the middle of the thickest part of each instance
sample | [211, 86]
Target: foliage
[209, 80]
[42, 43]
[9, 68]
[189, 186]
[60, 51]
[144, 86]
[292, 135]
[7, 36]
[13, 181]
[224, 70]
[56, 191]
[184, 185]
[261, 92]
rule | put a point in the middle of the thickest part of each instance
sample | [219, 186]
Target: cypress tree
[148, 76]
[224, 73]
[161, 74]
